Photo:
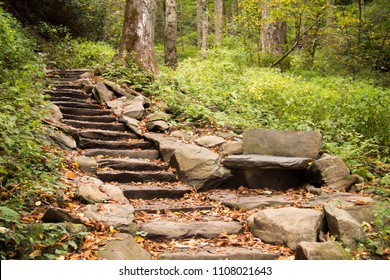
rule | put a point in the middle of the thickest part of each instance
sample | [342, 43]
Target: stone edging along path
[168, 193]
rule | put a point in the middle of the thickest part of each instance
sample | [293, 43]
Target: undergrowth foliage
[352, 115]
[28, 165]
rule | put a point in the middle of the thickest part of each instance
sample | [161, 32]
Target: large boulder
[102, 93]
[134, 108]
[199, 167]
[329, 250]
[286, 226]
[331, 171]
[341, 224]
[282, 143]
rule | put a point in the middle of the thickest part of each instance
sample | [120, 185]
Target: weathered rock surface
[176, 230]
[329, 250]
[114, 193]
[86, 164]
[199, 167]
[132, 124]
[341, 199]
[332, 171]
[91, 193]
[209, 141]
[102, 93]
[121, 217]
[115, 88]
[157, 126]
[265, 162]
[63, 141]
[232, 148]
[55, 112]
[167, 145]
[134, 108]
[282, 143]
[123, 248]
[221, 253]
[250, 202]
[286, 226]
[343, 225]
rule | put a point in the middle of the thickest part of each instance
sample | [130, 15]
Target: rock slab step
[176, 230]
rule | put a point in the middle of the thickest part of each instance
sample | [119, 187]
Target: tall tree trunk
[170, 38]
[202, 24]
[218, 17]
[137, 40]
[273, 33]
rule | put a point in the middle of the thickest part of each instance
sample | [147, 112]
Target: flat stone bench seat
[266, 162]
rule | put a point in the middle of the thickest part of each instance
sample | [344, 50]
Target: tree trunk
[137, 40]
[218, 15]
[273, 33]
[202, 24]
[170, 38]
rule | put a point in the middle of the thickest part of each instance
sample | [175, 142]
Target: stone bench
[275, 159]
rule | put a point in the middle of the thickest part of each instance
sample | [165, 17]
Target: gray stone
[134, 108]
[329, 250]
[177, 230]
[123, 247]
[114, 193]
[157, 116]
[221, 253]
[121, 217]
[132, 124]
[209, 141]
[312, 189]
[282, 143]
[86, 75]
[55, 112]
[286, 226]
[339, 199]
[86, 164]
[91, 193]
[343, 225]
[181, 134]
[249, 202]
[63, 141]
[226, 134]
[102, 93]
[265, 162]
[232, 148]
[167, 145]
[117, 103]
[199, 167]
[332, 171]
[157, 126]
[115, 88]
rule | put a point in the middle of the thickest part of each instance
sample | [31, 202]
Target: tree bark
[273, 33]
[137, 40]
[202, 24]
[218, 17]
[170, 38]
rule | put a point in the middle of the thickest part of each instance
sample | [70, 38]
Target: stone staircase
[132, 164]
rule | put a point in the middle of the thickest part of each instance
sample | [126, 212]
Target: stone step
[71, 72]
[66, 99]
[77, 104]
[88, 143]
[154, 191]
[96, 125]
[107, 135]
[108, 119]
[131, 164]
[134, 176]
[220, 253]
[146, 154]
[85, 111]
[181, 230]
[64, 86]
[162, 205]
